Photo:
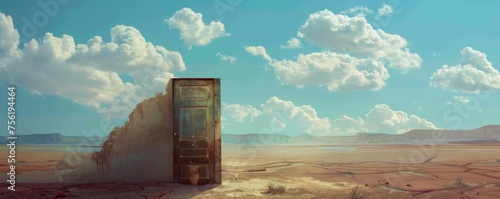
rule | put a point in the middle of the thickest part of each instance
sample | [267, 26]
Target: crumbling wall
[141, 149]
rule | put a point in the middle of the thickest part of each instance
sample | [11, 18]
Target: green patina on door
[196, 117]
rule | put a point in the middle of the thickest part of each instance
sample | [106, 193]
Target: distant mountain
[54, 139]
[489, 133]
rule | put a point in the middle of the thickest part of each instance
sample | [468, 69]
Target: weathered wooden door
[197, 150]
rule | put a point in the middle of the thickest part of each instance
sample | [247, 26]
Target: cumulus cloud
[385, 10]
[384, 119]
[193, 30]
[9, 37]
[281, 116]
[258, 50]
[127, 52]
[474, 74]
[380, 119]
[355, 59]
[240, 112]
[292, 43]
[275, 116]
[345, 125]
[358, 10]
[89, 73]
[356, 36]
[297, 119]
[338, 72]
[226, 58]
[470, 103]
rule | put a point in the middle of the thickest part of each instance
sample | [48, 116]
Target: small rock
[477, 193]
[386, 183]
[366, 185]
[408, 185]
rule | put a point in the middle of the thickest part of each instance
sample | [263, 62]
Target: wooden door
[196, 109]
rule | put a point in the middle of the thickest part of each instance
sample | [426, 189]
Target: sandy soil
[33, 158]
[379, 171]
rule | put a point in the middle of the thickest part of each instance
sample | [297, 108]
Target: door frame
[217, 175]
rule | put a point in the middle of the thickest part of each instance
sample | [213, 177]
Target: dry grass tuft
[275, 188]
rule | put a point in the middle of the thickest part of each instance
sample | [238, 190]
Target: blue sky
[321, 68]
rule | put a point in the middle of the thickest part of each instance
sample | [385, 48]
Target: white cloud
[292, 43]
[355, 35]
[281, 116]
[193, 30]
[384, 119]
[226, 58]
[275, 116]
[469, 103]
[385, 10]
[473, 75]
[466, 103]
[338, 72]
[462, 99]
[258, 50]
[128, 52]
[240, 112]
[42, 68]
[89, 73]
[358, 10]
[345, 125]
[297, 119]
[9, 37]
[381, 119]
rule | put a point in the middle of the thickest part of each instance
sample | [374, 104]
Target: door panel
[194, 92]
[194, 151]
[193, 122]
[194, 137]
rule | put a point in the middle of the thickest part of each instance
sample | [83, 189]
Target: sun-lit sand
[380, 171]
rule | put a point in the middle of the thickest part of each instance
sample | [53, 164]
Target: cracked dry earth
[379, 171]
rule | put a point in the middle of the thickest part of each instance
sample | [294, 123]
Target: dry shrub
[275, 188]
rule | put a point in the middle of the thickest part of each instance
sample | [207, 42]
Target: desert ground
[251, 171]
